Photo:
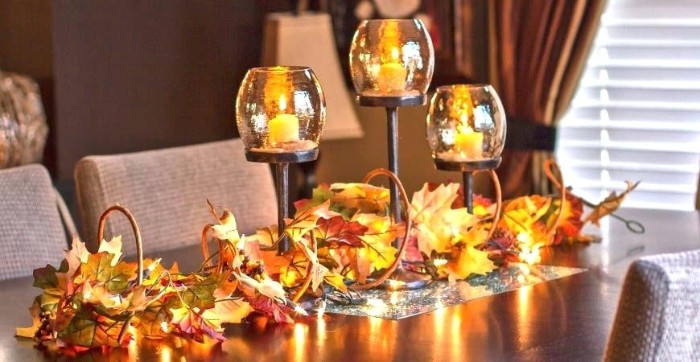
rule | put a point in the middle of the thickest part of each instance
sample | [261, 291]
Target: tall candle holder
[466, 127]
[391, 63]
[280, 114]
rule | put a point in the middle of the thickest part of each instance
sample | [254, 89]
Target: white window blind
[636, 114]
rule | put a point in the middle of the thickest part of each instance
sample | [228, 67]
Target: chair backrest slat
[167, 189]
[658, 316]
[31, 230]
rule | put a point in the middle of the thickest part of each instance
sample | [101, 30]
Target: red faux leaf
[336, 231]
[268, 307]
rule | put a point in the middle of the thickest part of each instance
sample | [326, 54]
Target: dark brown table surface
[565, 319]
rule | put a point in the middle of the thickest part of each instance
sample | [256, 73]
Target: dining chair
[658, 316]
[33, 221]
[167, 190]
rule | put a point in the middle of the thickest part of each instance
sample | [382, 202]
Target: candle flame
[283, 103]
[395, 54]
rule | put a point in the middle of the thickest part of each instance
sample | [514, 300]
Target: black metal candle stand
[281, 160]
[409, 279]
[468, 169]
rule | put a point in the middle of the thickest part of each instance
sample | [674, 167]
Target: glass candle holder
[391, 58]
[280, 110]
[466, 124]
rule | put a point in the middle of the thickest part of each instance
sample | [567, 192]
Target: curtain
[537, 51]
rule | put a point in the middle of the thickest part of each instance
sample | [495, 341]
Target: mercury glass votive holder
[391, 58]
[280, 110]
[466, 124]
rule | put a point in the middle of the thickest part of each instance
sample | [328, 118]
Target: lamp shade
[307, 40]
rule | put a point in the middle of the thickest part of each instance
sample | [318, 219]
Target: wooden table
[565, 319]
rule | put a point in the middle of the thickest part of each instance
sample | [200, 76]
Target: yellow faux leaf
[113, 247]
[470, 261]
[29, 332]
[78, 254]
[227, 311]
[336, 281]
[610, 204]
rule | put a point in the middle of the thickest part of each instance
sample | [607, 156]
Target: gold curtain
[537, 51]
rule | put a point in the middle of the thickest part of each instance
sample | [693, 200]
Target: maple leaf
[89, 330]
[364, 198]
[115, 278]
[29, 332]
[470, 261]
[54, 284]
[610, 204]
[436, 223]
[150, 321]
[336, 231]
[154, 271]
[336, 281]
[78, 254]
[189, 322]
[319, 195]
[227, 311]
[200, 290]
[266, 306]
[571, 223]
[113, 247]
[264, 236]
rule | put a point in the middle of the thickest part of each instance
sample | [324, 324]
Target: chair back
[658, 316]
[31, 230]
[166, 191]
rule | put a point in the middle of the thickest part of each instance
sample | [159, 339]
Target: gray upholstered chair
[166, 191]
[658, 317]
[32, 216]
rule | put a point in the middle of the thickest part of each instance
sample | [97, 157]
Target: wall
[26, 48]
[133, 75]
[350, 160]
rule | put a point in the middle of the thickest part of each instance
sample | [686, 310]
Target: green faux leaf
[45, 277]
[115, 278]
[149, 321]
[48, 301]
[89, 330]
[200, 292]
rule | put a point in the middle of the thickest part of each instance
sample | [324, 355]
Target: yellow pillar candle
[469, 143]
[391, 78]
[392, 74]
[283, 128]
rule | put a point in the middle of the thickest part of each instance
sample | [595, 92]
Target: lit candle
[284, 127]
[392, 75]
[469, 143]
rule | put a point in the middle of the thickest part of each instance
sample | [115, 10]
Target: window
[636, 114]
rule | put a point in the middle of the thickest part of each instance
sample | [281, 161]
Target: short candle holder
[281, 160]
[280, 113]
[466, 130]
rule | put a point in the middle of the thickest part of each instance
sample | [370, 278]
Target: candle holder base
[467, 166]
[282, 157]
[392, 101]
